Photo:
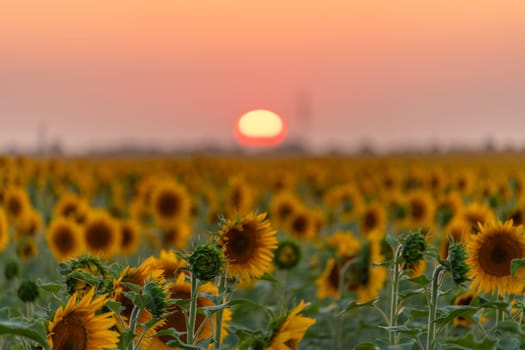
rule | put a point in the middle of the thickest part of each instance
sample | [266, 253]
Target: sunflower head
[157, 296]
[206, 262]
[413, 248]
[248, 243]
[490, 255]
[28, 291]
[287, 255]
[288, 331]
[90, 267]
[457, 258]
[11, 270]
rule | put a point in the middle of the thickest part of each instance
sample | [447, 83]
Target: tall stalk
[218, 325]
[193, 309]
[432, 312]
[394, 291]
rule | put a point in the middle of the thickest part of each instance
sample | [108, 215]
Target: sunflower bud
[157, 306]
[11, 270]
[206, 262]
[413, 248]
[28, 291]
[458, 262]
[287, 255]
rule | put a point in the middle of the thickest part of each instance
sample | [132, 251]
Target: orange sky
[181, 72]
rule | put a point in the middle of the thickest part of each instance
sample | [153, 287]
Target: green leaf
[413, 332]
[126, 338]
[515, 265]
[452, 311]
[468, 342]
[171, 332]
[267, 277]
[355, 305]
[32, 330]
[51, 287]
[366, 346]
[420, 280]
[392, 241]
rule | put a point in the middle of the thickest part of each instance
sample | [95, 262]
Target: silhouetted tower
[41, 139]
[304, 116]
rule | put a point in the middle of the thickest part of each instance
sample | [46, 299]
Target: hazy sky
[180, 72]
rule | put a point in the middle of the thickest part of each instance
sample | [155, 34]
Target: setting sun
[260, 128]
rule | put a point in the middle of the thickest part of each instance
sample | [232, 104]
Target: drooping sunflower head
[77, 326]
[248, 243]
[490, 255]
[170, 203]
[102, 234]
[291, 330]
[85, 264]
[64, 239]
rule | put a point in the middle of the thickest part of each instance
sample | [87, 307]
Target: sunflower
[26, 248]
[465, 298]
[168, 263]
[138, 276]
[421, 210]
[476, 214]
[102, 234]
[490, 256]
[64, 239]
[516, 214]
[303, 224]
[458, 230]
[344, 201]
[373, 218]
[448, 207]
[282, 208]
[76, 326]
[29, 225]
[176, 235]
[4, 230]
[362, 276]
[345, 243]
[16, 203]
[180, 289]
[130, 234]
[248, 244]
[239, 197]
[169, 203]
[70, 206]
[291, 331]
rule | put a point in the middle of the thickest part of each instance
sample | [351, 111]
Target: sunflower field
[263, 252]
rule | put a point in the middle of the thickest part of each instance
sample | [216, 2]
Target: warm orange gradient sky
[176, 72]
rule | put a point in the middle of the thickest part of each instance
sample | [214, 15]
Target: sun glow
[260, 128]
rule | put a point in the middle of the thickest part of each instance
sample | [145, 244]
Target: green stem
[394, 291]
[432, 312]
[133, 323]
[342, 290]
[218, 325]
[193, 309]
